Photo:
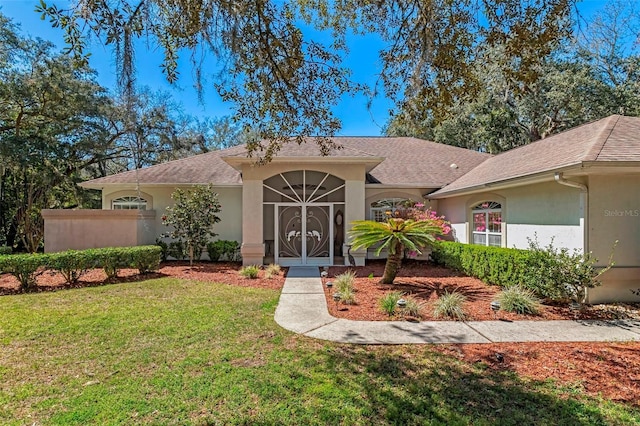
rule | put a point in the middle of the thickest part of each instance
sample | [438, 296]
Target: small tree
[192, 217]
[395, 234]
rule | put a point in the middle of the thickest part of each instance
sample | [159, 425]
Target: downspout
[585, 205]
[584, 191]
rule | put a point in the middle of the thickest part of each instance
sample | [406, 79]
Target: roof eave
[100, 186]
[539, 177]
[370, 162]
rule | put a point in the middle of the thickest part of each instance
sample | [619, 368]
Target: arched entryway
[303, 218]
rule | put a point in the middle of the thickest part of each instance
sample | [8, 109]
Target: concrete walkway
[303, 309]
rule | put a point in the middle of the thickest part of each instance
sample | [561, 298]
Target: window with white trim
[487, 224]
[129, 203]
[383, 209]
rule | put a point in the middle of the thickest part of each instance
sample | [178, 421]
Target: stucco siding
[229, 227]
[454, 210]
[614, 214]
[547, 211]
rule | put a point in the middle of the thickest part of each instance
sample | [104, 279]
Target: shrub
[519, 300]
[71, 264]
[561, 274]
[164, 247]
[272, 270]
[389, 302]
[176, 250]
[413, 307]
[223, 249]
[4, 250]
[494, 265]
[145, 258]
[450, 305]
[25, 267]
[343, 283]
[551, 273]
[250, 271]
[347, 296]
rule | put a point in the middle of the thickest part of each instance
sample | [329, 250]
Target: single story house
[579, 189]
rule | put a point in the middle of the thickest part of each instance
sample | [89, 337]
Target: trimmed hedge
[25, 267]
[73, 263]
[550, 273]
[494, 265]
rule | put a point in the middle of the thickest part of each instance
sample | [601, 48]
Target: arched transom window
[382, 209]
[129, 203]
[487, 224]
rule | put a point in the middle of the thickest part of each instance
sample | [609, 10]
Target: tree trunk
[392, 266]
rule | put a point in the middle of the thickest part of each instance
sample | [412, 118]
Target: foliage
[112, 259]
[412, 307]
[176, 250]
[277, 56]
[344, 281]
[5, 250]
[272, 270]
[164, 249]
[494, 265]
[565, 274]
[25, 267]
[192, 217]
[73, 263]
[590, 76]
[223, 249]
[551, 273]
[250, 271]
[419, 212]
[518, 299]
[396, 235]
[343, 285]
[450, 305]
[389, 302]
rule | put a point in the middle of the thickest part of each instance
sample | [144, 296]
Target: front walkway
[303, 309]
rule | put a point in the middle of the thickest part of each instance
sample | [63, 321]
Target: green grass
[169, 351]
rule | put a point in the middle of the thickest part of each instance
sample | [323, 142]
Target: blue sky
[357, 119]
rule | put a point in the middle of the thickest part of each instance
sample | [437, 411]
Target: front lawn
[175, 351]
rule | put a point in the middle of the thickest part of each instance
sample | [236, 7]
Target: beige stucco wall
[548, 210]
[83, 229]
[229, 227]
[614, 214]
[253, 247]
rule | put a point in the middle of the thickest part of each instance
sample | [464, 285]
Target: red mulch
[201, 271]
[426, 282]
[611, 370]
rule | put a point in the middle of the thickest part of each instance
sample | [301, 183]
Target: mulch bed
[223, 272]
[426, 282]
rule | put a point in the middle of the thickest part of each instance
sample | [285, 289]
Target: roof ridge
[601, 141]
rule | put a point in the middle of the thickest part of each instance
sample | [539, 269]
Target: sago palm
[395, 235]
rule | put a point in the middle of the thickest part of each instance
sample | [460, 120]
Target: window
[382, 209]
[129, 203]
[487, 224]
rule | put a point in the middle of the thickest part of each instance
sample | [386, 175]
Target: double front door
[304, 234]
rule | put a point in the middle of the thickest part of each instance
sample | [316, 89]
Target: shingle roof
[407, 161]
[612, 139]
